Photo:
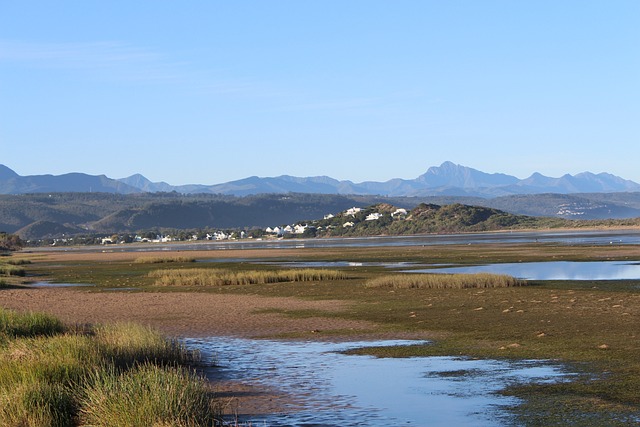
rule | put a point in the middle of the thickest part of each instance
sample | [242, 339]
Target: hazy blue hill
[140, 182]
[6, 173]
[451, 175]
[570, 206]
[11, 183]
[448, 179]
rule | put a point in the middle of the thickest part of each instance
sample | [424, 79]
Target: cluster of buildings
[351, 212]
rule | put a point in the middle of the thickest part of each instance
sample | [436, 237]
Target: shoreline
[198, 315]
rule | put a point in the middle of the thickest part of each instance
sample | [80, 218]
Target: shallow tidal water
[551, 270]
[331, 388]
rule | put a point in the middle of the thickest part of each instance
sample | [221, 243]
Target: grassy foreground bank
[111, 375]
[593, 326]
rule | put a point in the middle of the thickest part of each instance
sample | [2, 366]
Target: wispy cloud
[105, 60]
[335, 104]
[119, 61]
[115, 58]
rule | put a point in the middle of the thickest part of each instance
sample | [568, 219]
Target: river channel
[330, 388]
[591, 237]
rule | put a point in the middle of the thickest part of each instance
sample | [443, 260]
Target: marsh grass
[18, 261]
[444, 281]
[221, 277]
[52, 376]
[163, 260]
[12, 270]
[127, 344]
[13, 324]
[169, 397]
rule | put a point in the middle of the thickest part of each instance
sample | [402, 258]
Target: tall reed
[444, 281]
[222, 277]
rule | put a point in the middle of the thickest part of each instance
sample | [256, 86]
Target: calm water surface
[551, 270]
[348, 390]
[625, 237]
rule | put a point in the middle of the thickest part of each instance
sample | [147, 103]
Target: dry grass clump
[444, 281]
[222, 277]
[163, 260]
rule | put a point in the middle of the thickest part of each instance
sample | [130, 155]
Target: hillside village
[346, 219]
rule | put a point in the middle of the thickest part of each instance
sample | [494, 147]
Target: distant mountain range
[448, 179]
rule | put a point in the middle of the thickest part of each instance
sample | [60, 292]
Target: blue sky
[213, 91]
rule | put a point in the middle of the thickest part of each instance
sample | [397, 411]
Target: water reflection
[335, 264]
[360, 390]
[44, 284]
[552, 270]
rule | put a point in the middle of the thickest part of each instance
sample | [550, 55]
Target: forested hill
[385, 219]
[40, 216]
[36, 216]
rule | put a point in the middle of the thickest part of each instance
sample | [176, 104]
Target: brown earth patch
[183, 314]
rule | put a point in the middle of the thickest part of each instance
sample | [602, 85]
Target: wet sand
[181, 314]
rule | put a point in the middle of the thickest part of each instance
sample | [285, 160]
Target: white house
[299, 229]
[328, 216]
[352, 211]
[219, 235]
[373, 216]
[348, 224]
[399, 211]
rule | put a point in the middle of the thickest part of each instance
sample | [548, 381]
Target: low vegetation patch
[18, 261]
[163, 260]
[444, 281]
[222, 277]
[11, 270]
[115, 375]
[14, 324]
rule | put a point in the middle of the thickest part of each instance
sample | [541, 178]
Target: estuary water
[331, 388]
[591, 237]
[550, 270]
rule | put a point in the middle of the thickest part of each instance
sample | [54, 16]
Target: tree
[10, 242]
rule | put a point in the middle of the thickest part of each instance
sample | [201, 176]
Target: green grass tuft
[146, 396]
[12, 270]
[15, 324]
[126, 344]
[114, 375]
